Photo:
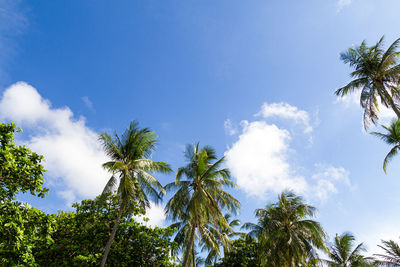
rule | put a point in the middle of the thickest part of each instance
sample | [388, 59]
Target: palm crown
[200, 198]
[392, 138]
[391, 257]
[344, 253]
[286, 235]
[376, 74]
[130, 164]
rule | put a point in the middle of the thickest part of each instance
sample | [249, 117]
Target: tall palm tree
[391, 257]
[199, 197]
[392, 138]
[223, 236]
[376, 73]
[344, 253]
[131, 167]
[286, 234]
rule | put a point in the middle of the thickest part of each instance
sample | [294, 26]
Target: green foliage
[79, 238]
[131, 167]
[391, 258]
[20, 168]
[376, 73]
[243, 252]
[392, 138]
[286, 234]
[23, 229]
[344, 252]
[199, 200]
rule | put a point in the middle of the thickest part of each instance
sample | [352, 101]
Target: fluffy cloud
[327, 178]
[155, 216]
[259, 159]
[73, 156]
[286, 111]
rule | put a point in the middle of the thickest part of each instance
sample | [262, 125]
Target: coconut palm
[183, 231]
[344, 253]
[376, 73]
[392, 138]
[391, 257]
[285, 232]
[199, 197]
[223, 235]
[131, 167]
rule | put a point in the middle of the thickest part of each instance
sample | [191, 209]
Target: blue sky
[253, 79]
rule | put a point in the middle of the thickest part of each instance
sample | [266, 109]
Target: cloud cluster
[327, 178]
[260, 158]
[286, 111]
[73, 156]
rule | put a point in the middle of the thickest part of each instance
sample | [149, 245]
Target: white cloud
[230, 129]
[155, 216]
[343, 3]
[286, 111]
[327, 178]
[88, 103]
[71, 150]
[258, 160]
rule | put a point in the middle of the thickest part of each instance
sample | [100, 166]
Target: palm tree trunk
[290, 263]
[189, 246]
[194, 258]
[110, 240]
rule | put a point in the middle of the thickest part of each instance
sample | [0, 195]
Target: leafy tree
[199, 199]
[130, 164]
[286, 234]
[392, 138]
[78, 237]
[376, 73]
[20, 168]
[391, 257]
[243, 252]
[344, 253]
[22, 227]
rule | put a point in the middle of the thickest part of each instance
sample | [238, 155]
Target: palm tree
[391, 257]
[199, 199]
[285, 232]
[226, 234]
[391, 137]
[131, 167]
[376, 73]
[344, 253]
